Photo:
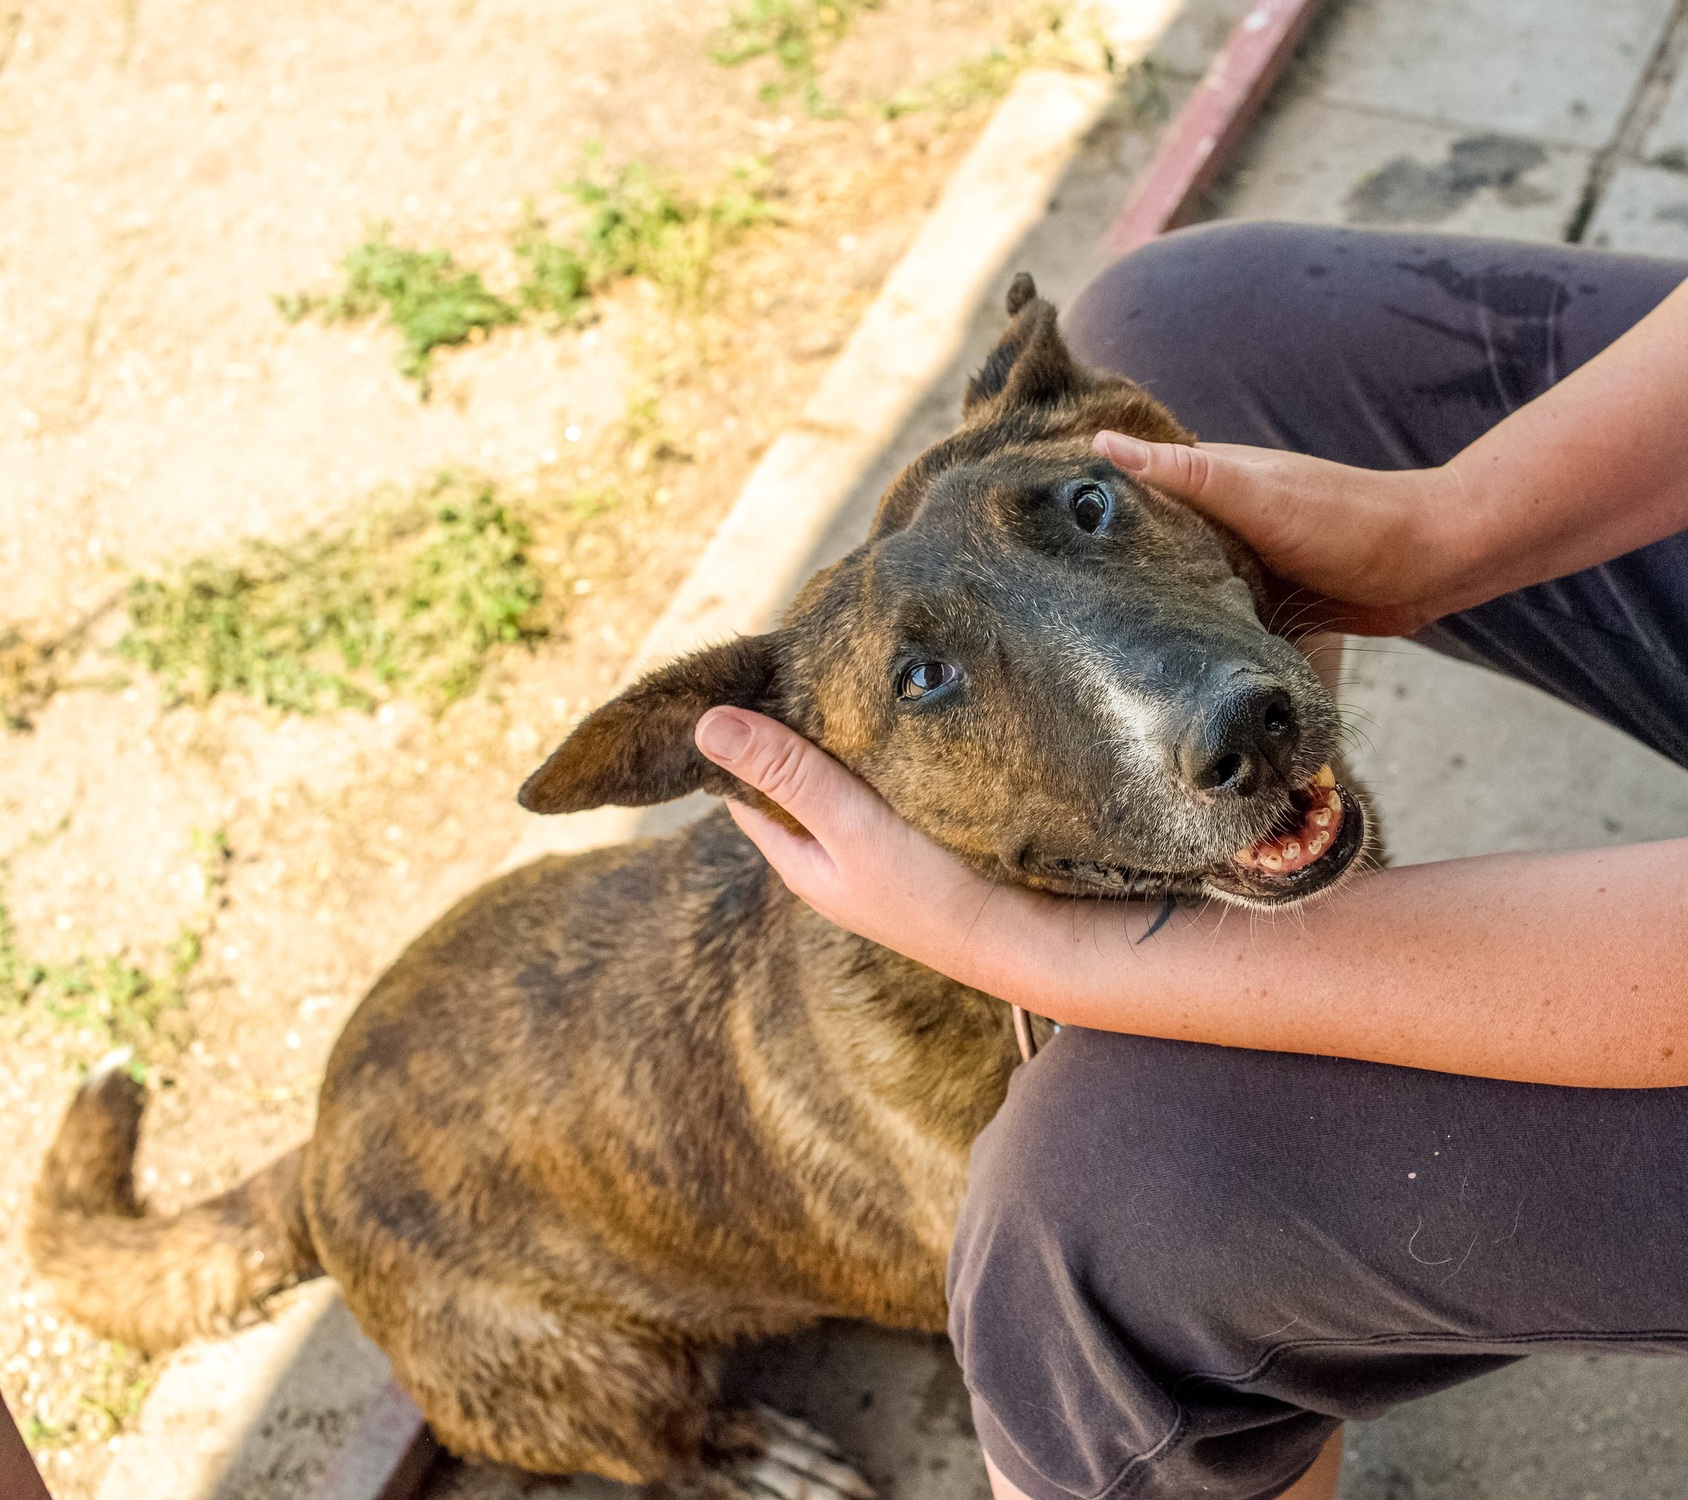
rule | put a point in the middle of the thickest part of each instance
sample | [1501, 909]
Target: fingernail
[1127, 452]
[722, 735]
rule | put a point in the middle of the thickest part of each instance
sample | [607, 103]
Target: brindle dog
[615, 1112]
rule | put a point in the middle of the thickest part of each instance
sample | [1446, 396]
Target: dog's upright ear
[637, 749]
[1030, 365]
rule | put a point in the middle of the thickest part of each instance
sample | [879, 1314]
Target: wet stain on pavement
[1405, 191]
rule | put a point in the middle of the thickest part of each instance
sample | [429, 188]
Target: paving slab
[1644, 211]
[1599, 1427]
[894, 1401]
[1556, 70]
[1328, 163]
[1196, 33]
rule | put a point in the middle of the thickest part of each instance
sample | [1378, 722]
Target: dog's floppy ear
[1030, 365]
[637, 749]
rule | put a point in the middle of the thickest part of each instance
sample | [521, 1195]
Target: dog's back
[632, 1044]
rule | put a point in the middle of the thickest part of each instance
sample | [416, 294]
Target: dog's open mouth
[1307, 829]
[1315, 840]
[1309, 848]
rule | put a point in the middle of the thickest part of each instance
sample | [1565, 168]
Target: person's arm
[1594, 467]
[1547, 968]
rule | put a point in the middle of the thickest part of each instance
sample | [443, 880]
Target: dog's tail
[153, 1281]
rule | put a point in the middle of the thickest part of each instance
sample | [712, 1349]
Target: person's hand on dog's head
[1361, 550]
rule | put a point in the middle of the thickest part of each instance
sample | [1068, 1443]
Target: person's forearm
[1548, 968]
[1594, 467]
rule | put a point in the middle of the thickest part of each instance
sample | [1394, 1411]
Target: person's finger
[801, 861]
[1191, 473]
[782, 765]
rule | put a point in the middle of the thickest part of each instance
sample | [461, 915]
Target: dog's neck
[928, 1046]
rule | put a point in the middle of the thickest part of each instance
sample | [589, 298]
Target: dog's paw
[762, 1454]
[799, 1464]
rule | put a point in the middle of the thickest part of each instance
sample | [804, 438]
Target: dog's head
[1045, 666]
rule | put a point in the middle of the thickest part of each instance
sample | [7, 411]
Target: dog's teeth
[1333, 800]
[1292, 850]
[1245, 856]
[1272, 861]
[1316, 845]
[1320, 817]
[1324, 777]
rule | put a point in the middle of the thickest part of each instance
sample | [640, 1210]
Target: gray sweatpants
[1179, 1267]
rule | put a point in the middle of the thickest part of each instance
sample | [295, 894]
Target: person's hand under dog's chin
[861, 866]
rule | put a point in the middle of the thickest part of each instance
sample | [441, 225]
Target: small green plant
[633, 224]
[107, 1402]
[556, 286]
[413, 596]
[28, 677]
[118, 1003]
[793, 33]
[427, 296]
[1040, 35]
[976, 80]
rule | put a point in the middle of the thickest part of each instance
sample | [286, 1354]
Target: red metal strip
[1212, 122]
[19, 1478]
[389, 1455]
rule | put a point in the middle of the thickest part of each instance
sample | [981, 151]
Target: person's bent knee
[1106, 1250]
[1107, 1170]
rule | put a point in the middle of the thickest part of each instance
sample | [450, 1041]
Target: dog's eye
[925, 677]
[1090, 504]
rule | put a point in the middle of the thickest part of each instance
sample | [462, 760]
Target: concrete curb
[1213, 121]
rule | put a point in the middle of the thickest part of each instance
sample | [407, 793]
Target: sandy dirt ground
[166, 169]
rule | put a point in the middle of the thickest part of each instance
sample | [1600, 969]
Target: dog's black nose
[1243, 730]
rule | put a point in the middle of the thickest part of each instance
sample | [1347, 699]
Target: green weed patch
[426, 295]
[105, 1403]
[1041, 35]
[117, 1002]
[412, 597]
[794, 33]
[977, 80]
[632, 223]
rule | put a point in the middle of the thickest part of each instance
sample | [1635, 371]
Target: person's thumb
[782, 765]
[1198, 475]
